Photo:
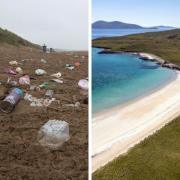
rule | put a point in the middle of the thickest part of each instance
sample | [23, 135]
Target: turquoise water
[119, 78]
[96, 33]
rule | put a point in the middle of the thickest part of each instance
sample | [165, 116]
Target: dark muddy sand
[21, 157]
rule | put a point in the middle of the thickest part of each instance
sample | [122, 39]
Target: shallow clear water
[119, 78]
[97, 33]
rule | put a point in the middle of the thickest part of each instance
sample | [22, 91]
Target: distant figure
[44, 48]
[51, 50]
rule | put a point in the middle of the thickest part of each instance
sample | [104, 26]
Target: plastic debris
[49, 93]
[57, 80]
[70, 68]
[10, 71]
[38, 102]
[13, 63]
[57, 75]
[8, 104]
[43, 61]
[40, 72]
[19, 70]
[53, 134]
[76, 105]
[68, 65]
[44, 85]
[83, 84]
[24, 80]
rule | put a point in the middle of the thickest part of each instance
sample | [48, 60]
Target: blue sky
[142, 12]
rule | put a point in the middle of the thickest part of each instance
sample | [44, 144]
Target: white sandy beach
[116, 130]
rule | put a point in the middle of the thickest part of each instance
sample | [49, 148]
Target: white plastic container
[53, 134]
[83, 84]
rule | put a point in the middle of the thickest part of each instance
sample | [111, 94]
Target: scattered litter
[77, 64]
[70, 68]
[57, 75]
[53, 134]
[19, 70]
[9, 103]
[38, 102]
[12, 83]
[44, 85]
[24, 80]
[13, 63]
[77, 105]
[10, 71]
[49, 93]
[57, 80]
[43, 61]
[40, 72]
[83, 84]
[68, 65]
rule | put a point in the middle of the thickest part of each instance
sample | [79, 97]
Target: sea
[121, 78]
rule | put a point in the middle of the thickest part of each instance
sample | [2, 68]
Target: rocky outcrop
[171, 66]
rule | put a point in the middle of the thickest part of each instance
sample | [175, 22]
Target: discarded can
[8, 104]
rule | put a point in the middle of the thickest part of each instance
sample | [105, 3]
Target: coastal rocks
[171, 66]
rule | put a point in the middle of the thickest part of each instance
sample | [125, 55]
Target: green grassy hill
[13, 39]
[165, 44]
[156, 158]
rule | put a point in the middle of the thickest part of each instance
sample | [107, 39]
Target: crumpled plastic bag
[53, 134]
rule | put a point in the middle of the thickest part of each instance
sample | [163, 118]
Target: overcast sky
[142, 12]
[60, 24]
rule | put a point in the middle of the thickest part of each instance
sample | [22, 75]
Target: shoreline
[151, 91]
[159, 108]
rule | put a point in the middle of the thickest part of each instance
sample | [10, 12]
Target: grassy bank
[156, 158]
[165, 44]
[8, 37]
